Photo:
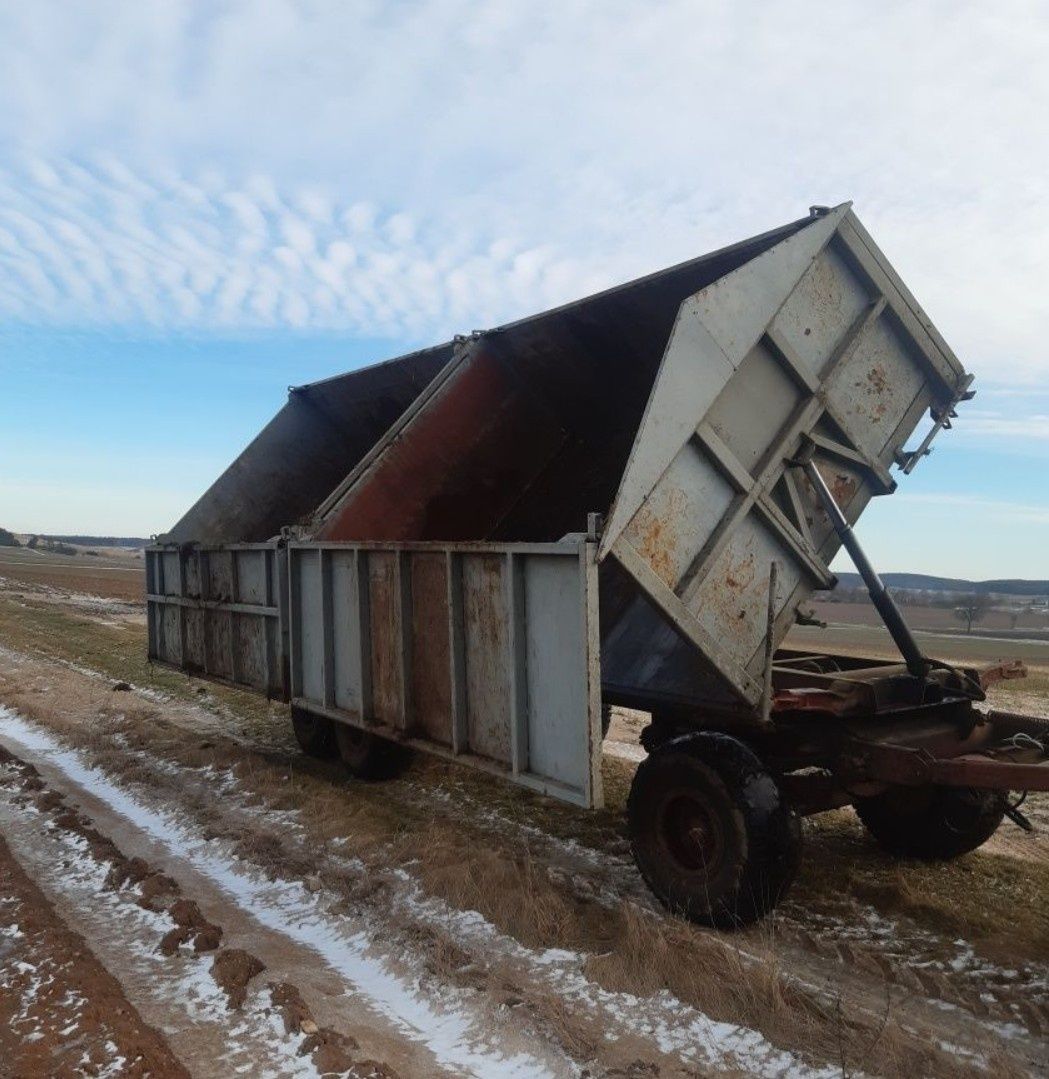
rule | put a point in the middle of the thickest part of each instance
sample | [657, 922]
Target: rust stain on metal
[843, 487]
[430, 673]
[878, 380]
[461, 467]
[385, 646]
[486, 627]
[655, 538]
[875, 387]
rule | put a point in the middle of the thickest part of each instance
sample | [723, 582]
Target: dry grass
[746, 984]
[456, 856]
[994, 902]
[627, 949]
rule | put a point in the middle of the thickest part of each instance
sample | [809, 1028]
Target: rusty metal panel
[309, 597]
[216, 611]
[346, 631]
[484, 653]
[528, 427]
[384, 633]
[486, 617]
[811, 347]
[431, 687]
[322, 431]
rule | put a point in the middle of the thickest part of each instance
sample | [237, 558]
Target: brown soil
[750, 979]
[233, 969]
[57, 1014]
[61, 1012]
[816, 980]
[116, 582]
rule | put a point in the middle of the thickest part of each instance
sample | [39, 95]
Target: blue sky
[201, 204]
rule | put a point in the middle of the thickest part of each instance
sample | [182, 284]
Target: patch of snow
[457, 1039]
[183, 981]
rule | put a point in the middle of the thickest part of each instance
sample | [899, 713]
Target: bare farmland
[273, 915]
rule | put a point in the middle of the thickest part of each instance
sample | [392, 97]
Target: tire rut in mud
[572, 865]
[234, 970]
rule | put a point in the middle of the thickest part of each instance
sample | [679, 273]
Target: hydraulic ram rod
[886, 606]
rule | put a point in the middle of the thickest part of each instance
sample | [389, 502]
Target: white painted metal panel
[811, 347]
[215, 611]
[488, 652]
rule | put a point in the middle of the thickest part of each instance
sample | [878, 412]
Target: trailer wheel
[711, 833]
[315, 734]
[932, 823]
[369, 756]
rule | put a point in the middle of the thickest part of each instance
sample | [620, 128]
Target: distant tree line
[103, 541]
[7, 539]
[52, 546]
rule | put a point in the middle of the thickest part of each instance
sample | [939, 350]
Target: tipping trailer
[477, 549]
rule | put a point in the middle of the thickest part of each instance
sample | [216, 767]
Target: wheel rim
[690, 833]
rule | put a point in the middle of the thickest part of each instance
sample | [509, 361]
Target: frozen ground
[444, 923]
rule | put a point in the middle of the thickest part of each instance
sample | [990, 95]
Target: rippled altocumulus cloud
[424, 168]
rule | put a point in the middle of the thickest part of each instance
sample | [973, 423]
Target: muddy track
[550, 997]
[219, 1009]
[61, 1011]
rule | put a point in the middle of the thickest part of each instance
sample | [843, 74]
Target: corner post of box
[593, 795]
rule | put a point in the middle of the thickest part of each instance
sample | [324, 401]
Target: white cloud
[1017, 426]
[98, 245]
[975, 506]
[481, 160]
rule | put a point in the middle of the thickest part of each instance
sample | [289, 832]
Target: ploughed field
[184, 892]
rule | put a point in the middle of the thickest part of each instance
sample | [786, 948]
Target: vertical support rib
[593, 790]
[283, 632]
[267, 599]
[327, 628]
[204, 583]
[364, 635]
[403, 600]
[457, 654]
[234, 596]
[517, 660]
[295, 620]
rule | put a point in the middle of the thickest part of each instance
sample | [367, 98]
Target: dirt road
[261, 914]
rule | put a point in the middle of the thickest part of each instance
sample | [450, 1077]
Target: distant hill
[102, 541]
[1004, 586]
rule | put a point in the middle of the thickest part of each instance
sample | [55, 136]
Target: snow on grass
[456, 1038]
[183, 981]
[677, 1029]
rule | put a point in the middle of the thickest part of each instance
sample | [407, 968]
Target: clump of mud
[232, 969]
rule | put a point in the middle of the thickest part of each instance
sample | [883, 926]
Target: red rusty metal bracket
[1012, 762]
[1002, 672]
[981, 770]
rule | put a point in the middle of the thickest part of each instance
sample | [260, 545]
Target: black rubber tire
[932, 823]
[369, 756]
[315, 734]
[749, 840]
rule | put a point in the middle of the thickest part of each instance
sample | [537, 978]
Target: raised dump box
[475, 550]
